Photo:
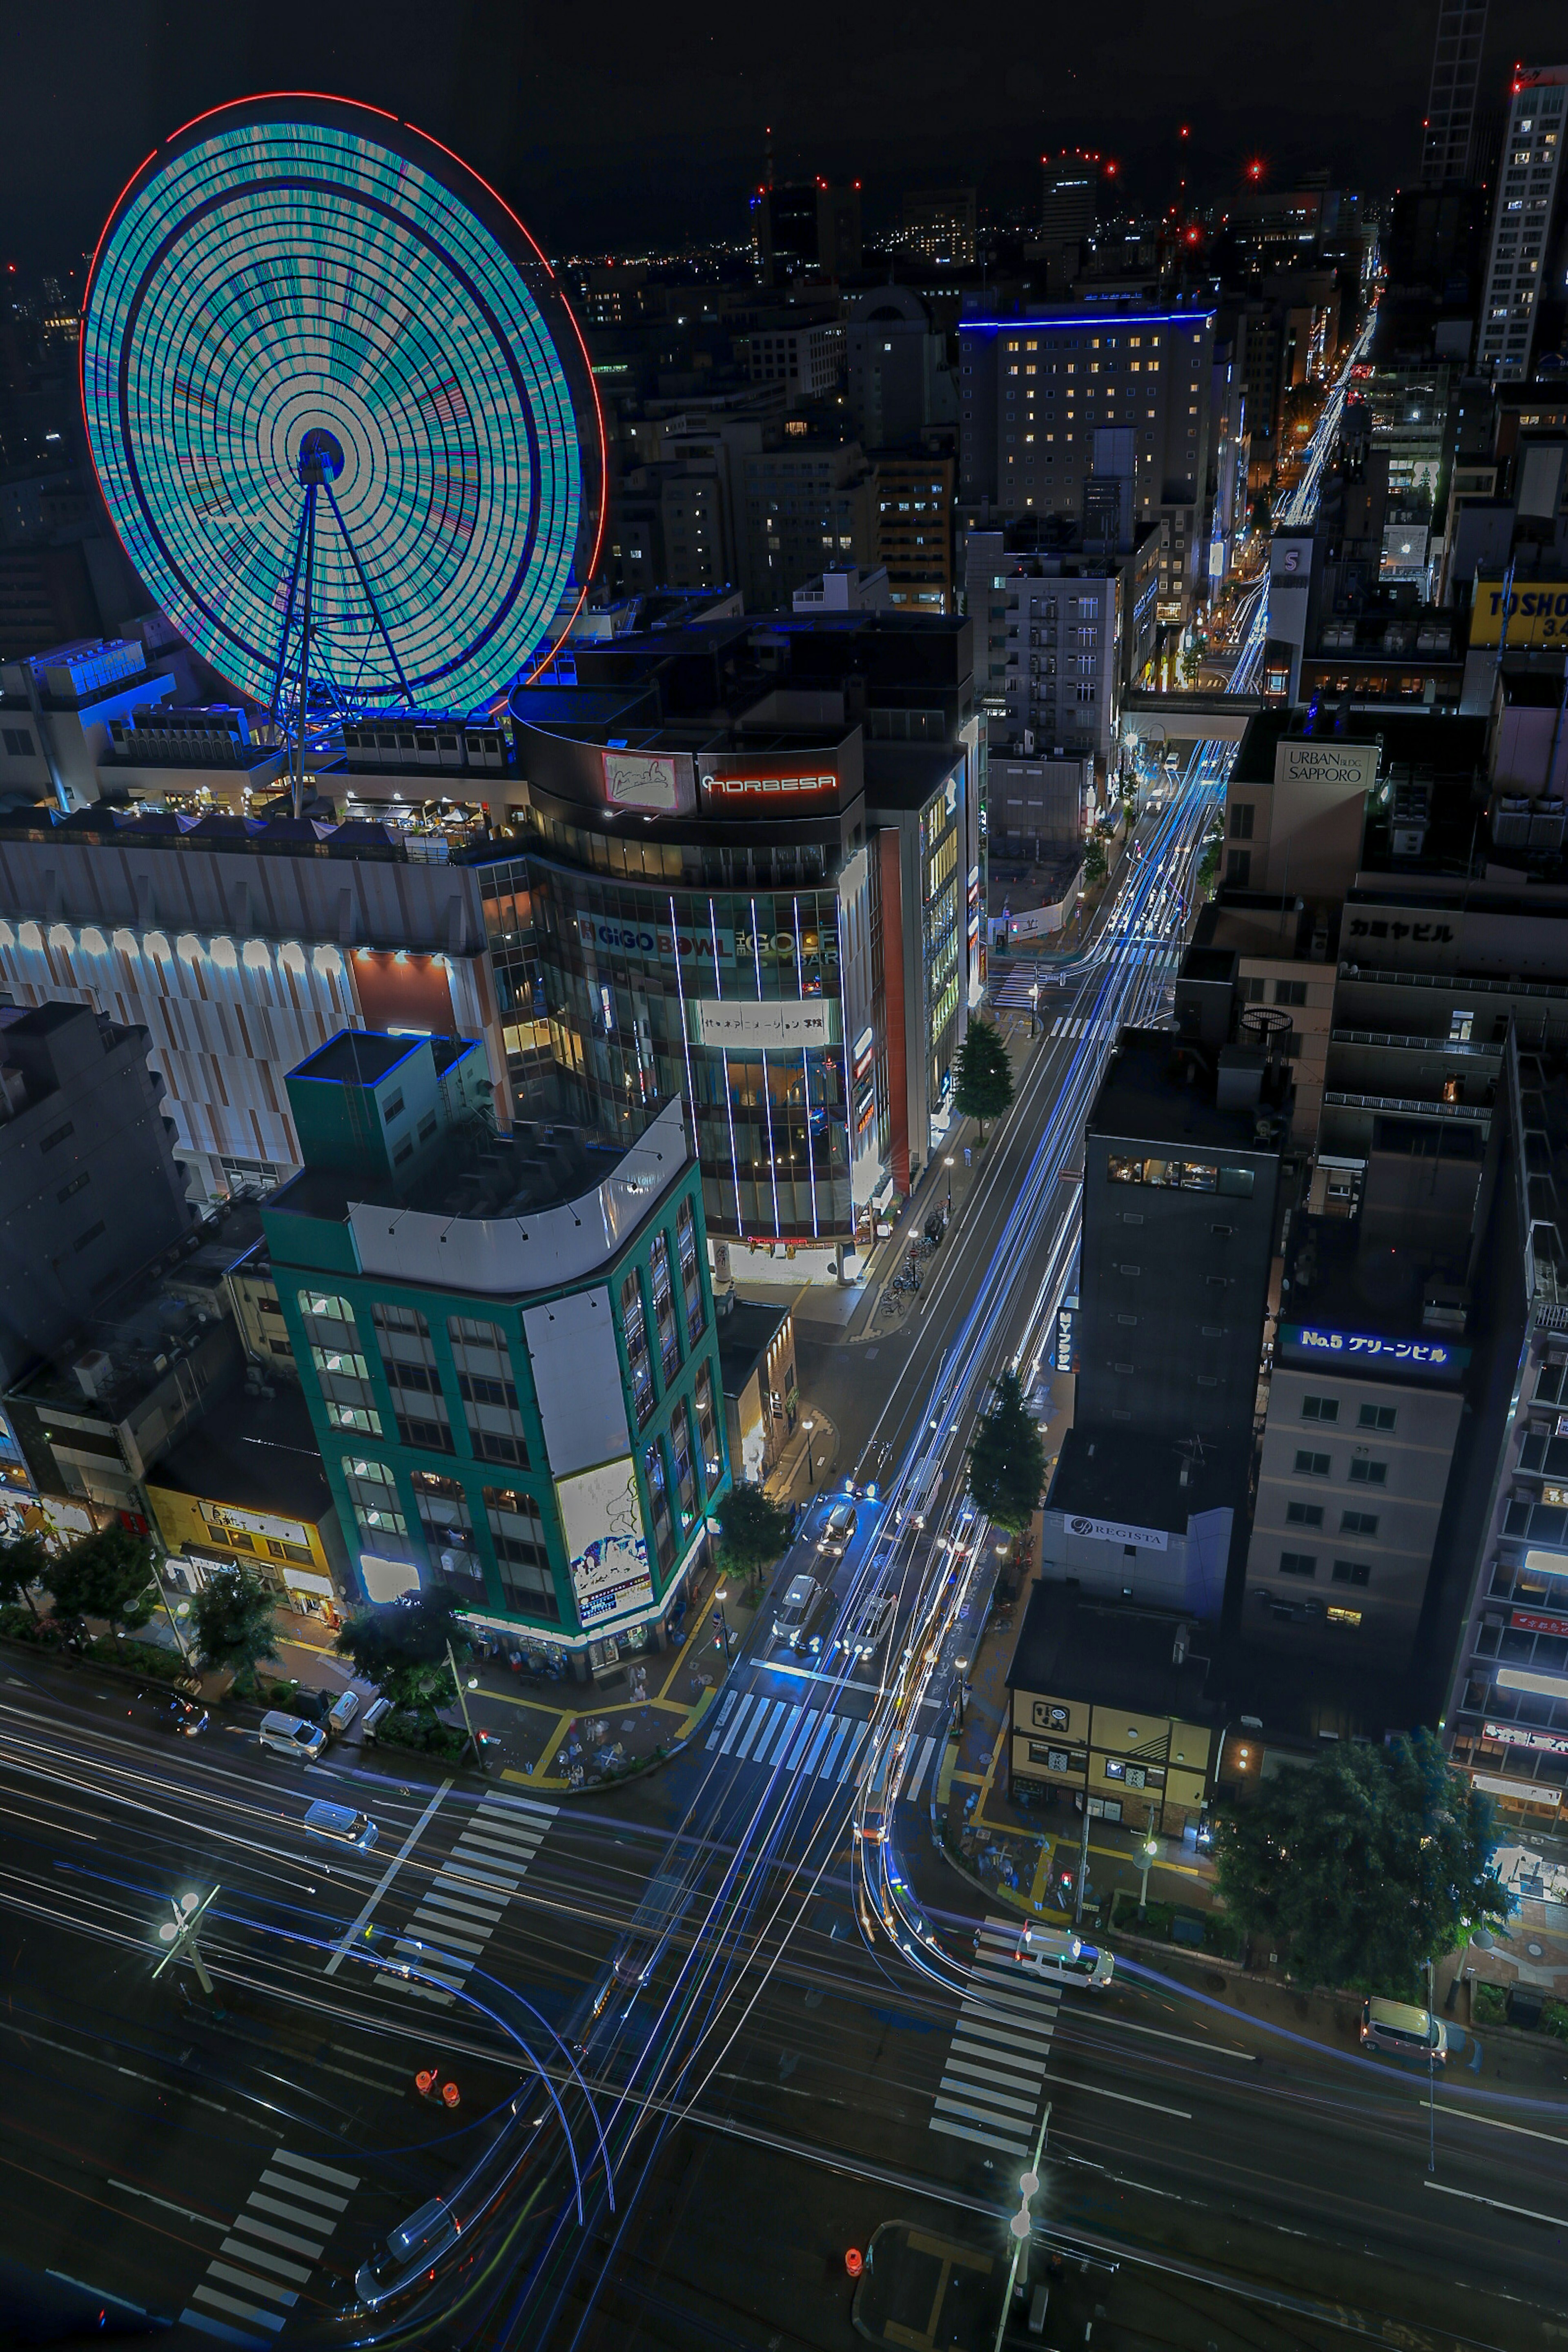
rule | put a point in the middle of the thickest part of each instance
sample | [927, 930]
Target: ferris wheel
[341, 413]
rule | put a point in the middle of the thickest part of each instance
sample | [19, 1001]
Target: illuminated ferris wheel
[341, 413]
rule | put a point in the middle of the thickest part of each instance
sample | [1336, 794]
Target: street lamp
[1034, 1004]
[947, 1163]
[721, 1596]
[1149, 1849]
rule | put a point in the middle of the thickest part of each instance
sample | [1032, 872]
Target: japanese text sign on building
[1379, 927]
[775, 1024]
[1355, 1348]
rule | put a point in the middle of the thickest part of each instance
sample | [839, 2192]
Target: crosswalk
[465, 1899]
[1083, 1027]
[991, 2087]
[814, 1742]
[258, 2274]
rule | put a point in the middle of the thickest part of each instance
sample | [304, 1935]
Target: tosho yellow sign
[1537, 613]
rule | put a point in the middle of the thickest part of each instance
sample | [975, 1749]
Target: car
[286, 1735]
[342, 1824]
[173, 1712]
[1404, 2031]
[871, 1829]
[1064, 1960]
[800, 1596]
[410, 2249]
[837, 1531]
[868, 1628]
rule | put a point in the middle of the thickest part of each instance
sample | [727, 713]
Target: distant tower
[1451, 104]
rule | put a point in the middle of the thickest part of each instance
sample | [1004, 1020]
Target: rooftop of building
[746, 1329]
[363, 1057]
[254, 1452]
[1112, 1654]
[1340, 1280]
[1159, 1089]
[1260, 924]
[907, 775]
[1123, 1474]
[1441, 741]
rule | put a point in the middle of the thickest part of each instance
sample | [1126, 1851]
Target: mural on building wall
[602, 1518]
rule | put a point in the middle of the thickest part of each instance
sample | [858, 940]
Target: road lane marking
[1495, 2122]
[393, 1867]
[1495, 2204]
[1188, 2040]
[183, 2210]
[1123, 2098]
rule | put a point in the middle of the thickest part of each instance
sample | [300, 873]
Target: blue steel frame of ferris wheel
[302, 536]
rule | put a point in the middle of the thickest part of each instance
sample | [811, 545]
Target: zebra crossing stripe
[1055, 1025]
[462, 1906]
[260, 2303]
[736, 1722]
[994, 2075]
[765, 1721]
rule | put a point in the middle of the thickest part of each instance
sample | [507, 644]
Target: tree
[402, 1649]
[237, 1624]
[984, 1086]
[1094, 860]
[753, 1532]
[1208, 864]
[24, 1562]
[1360, 1867]
[1007, 1460]
[106, 1574]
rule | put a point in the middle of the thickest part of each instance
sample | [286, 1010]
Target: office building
[807, 230]
[89, 1188]
[1069, 206]
[1447, 130]
[914, 531]
[1108, 1709]
[507, 1346]
[808, 503]
[1182, 1156]
[900, 386]
[245, 1488]
[1522, 306]
[806, 356]
[1034, 393]
[1286, 959]
[939, 226]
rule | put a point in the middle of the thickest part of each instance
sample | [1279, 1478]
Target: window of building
[1297, 1563]
[634, 1323]
[1369, 1474]
[373, 1491]
[1377, 1416]
[1320, 1408]
[1239, 867]
[486, 1384]
[392, 1109]
[448, 1531]
[1290, 991]
[706, 1423]
[1351, 1572]
[687, 1486]
[1358, 1523]
[1241, 816]
[408, 1363]
[1342, 1616]
[1304, 1515]
[1311, 1466]
[517, 1538]
[664, 1314]
[690, 1271]
[343, 1375]
[658, 1500]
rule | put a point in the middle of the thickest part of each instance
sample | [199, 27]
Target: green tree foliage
[1094, 865]
[1362, 1865]
[237, 1624]
[24, 1562]
[755, 1531]
[1208, 864]
[984, 1086]
[106, 1574]
[1007, 1459]
[402, 1649]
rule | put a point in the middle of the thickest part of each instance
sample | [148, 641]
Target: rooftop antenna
[768, 156]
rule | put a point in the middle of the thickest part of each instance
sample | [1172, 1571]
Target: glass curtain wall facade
[621, 967]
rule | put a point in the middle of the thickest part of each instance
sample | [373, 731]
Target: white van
[286, 1735]
[1064, 1959]
[342, 1824]
[1405, 2032]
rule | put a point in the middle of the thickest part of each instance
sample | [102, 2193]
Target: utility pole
[463, 1704]
[182, 1933]
[1082, 1864]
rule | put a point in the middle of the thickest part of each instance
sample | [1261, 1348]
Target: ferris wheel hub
[319, 457]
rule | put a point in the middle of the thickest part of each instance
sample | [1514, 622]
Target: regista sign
[1119, 1531]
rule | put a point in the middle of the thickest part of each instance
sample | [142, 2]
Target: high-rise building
[507, 1347]
[807, 229]
[809, 503]
[1447, 132]
[1035, 391]
[88, 1188]
[1524, 265]
[914, 531]
[940, 225]
[900, 380]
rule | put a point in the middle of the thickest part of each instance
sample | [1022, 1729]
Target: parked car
[1064, 1960]
[1404, 2031]
[287, 1734]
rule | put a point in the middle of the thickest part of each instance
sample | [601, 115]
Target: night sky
[606, 126]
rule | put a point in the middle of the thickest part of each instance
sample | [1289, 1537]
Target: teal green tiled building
[507, 1345]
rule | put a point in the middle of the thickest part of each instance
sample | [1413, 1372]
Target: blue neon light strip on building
[1089, 318]
[275, 276]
